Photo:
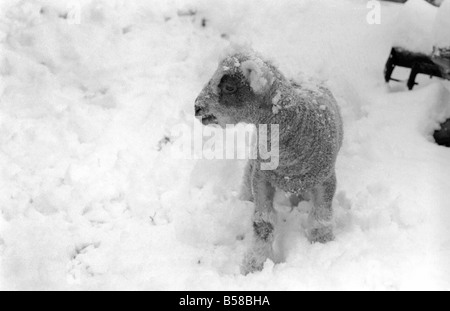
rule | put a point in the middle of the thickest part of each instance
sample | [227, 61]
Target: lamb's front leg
[263, 225]
[321, 216]
[246, 193]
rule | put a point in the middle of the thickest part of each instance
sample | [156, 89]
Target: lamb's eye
[229, 88]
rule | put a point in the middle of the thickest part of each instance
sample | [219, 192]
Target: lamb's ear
[258, 76]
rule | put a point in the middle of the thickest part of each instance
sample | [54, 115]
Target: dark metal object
[442, 136]
[419, 63]
[441, 57]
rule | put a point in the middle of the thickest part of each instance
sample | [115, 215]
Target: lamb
[245, 88]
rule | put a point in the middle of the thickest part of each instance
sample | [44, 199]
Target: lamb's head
[239, 90]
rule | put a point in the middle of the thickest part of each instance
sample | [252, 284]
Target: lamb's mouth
[209, 119]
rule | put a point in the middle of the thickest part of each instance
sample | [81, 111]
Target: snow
[415, 26]
[442, 26]
[259, 76]
[92, 196]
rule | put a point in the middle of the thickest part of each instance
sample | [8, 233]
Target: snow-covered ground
[92, 196]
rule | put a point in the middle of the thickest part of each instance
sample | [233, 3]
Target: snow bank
[92, 196]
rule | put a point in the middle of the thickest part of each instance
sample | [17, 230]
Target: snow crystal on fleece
[276, 102]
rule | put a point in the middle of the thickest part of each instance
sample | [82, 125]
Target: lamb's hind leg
[321, 216]
[263, 225]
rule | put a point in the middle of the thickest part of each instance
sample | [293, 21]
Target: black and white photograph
[200, 146]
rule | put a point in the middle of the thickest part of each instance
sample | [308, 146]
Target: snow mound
[415, 26]
[442, 26]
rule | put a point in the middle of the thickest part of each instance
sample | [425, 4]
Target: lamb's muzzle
[201, 110]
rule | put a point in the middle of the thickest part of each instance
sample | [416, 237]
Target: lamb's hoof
[321, 235]
[295, 200]
[251, 264]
